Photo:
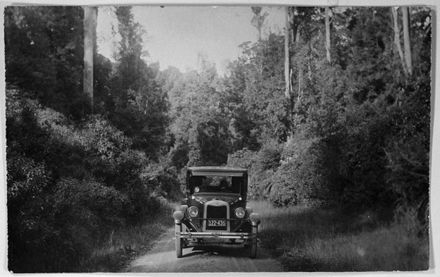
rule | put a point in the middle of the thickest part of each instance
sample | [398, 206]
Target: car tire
[253, 246]
[179, 241]
[253, 249]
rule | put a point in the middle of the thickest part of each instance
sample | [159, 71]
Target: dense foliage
[352, 140]
[44, 47]
[355, 131]
[74, 177]
[345, 135]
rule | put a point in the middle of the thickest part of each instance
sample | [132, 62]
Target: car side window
[237, 183]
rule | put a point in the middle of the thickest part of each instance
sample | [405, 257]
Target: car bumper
[217, 235]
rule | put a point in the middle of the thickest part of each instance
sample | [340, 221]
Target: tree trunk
[293, 27]
[397, 38]
[300, 77]
[406, 39]
[300, 73]
[327, 33]
[90, 14]
[286, 54]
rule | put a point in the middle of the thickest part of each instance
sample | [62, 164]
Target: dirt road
[162, 258]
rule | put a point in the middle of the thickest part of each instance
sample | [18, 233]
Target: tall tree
[286, 53]
[258, 20]
[140, 106]
[90, 14]
[327, 33]
[406, 39]
[396, 28]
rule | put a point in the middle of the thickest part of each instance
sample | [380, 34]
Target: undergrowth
[325, 239]
[124, 244]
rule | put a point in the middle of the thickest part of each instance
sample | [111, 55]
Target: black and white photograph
[231, 138]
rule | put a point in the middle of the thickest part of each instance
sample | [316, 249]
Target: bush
[363, 161]
[26, 179]
[408, 165]
[100, 137]
[69, 184]
[163, 179]
[244, 158]
[261, 166]
[268, 157]
[28, 218]
[301, 177]
[284, 175]
[89, 204]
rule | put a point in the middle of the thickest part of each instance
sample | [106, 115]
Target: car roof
[217, 169]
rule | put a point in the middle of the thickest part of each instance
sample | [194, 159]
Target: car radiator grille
[218, 213]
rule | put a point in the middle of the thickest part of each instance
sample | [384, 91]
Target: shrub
[68, 185]
[362, 159]
[28, 225]
[162, 179]
[408, 165]
[100, 137]
[301, 177]
[26, 179]
[268, 157]
[88, 203]
[244, 158]
[261, 166]
[179, 154]
[407, 152]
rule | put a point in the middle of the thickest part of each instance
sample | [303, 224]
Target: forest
[334, 111]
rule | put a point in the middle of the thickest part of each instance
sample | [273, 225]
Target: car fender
[183, 208]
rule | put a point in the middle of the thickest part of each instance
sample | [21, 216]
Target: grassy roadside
[318, 239]
[125, 244]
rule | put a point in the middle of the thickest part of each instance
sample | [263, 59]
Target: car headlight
[193, 211]
[240, 212]
[255, 218]
[178, 215]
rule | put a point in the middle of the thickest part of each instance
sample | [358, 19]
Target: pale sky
[175, 35]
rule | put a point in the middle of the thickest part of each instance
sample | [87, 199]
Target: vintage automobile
[214, 211]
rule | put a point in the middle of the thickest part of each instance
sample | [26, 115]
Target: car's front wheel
[179, 241]
[253, 244]
[253, 249]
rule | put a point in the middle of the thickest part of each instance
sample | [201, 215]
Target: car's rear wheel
[179, 241]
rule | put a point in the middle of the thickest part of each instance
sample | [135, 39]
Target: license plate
[216, 223]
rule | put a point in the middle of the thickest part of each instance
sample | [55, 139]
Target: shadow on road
[228, 251]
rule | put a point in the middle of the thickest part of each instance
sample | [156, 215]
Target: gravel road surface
[162, 258]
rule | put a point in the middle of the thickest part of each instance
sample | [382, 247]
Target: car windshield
[224, 184]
